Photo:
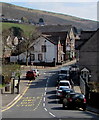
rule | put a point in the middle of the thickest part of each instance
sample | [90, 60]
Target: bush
[7, 71]
[94, 86]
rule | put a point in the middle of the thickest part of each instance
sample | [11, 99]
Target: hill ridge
[14, 11]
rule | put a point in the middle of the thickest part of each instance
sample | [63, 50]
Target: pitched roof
[54, 37]
[54, 28]
[84, 37]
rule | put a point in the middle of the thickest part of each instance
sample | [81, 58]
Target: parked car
[74, 67]
[65, 83]
[30, 75]
[36, 72]
[65, 92]
[59, 91]
[65, 71]
[74, 100]
[61, 77]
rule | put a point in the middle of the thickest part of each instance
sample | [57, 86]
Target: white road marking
[43, 104]
[45, 109]
[51, 114]
[44, 99]
[45, 94]
[45, 88]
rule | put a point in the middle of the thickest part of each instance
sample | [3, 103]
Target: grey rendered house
[88, 48]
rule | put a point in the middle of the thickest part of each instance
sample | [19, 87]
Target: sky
[86, 9]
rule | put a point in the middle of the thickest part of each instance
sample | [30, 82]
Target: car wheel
[84, 108]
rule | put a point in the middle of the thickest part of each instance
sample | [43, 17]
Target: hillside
[27, 29]
[16, 12]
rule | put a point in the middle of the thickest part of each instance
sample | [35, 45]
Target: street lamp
[45, 50]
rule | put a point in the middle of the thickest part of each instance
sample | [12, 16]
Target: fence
[92, 97]
[82, 86]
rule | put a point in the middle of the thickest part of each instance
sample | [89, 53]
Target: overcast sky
[80, 8]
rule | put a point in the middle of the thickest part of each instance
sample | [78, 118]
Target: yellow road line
[17, 99]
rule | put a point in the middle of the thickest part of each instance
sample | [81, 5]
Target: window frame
[43, 48]
[40, 57]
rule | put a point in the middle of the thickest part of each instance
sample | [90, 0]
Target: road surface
[40, 101]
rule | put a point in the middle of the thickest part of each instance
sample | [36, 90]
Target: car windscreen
[63, 72]
[79, 96]
[63, 84]
[62, 77]
[29, 72]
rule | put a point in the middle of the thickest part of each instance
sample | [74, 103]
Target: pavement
[89, 108]
[8, 99]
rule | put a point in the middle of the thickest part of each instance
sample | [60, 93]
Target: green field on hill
[25, 27]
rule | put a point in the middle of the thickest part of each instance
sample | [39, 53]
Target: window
[43, 48]
[33, 48]
[32, 57]
[40, 57]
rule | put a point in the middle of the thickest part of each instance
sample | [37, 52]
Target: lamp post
[45, 50]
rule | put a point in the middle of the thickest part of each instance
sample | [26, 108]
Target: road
[40, 101]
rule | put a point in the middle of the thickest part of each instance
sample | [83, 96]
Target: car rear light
[84, 100]
[70, 100]
[59, 91]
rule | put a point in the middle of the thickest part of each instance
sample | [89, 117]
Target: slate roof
[54, 28]
[84, 37]
[54, 37]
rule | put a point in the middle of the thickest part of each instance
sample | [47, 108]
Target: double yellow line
[17, 99]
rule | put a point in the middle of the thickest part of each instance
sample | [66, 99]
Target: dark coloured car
[59, 92]
[74, 100]
[74, 67]
[61, 77]
[30, 75]
[62, 92]
[65, 92]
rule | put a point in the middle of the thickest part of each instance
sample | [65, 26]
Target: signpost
[15, 80]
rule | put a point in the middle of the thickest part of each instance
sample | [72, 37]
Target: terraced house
[57, 45]
[67, 34]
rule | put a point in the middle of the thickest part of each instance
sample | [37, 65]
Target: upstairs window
[43, 48]
[40, 57]
[32, 57]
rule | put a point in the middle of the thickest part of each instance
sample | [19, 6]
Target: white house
[41, 50]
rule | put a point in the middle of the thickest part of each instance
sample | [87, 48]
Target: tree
[16, 31]
[24, 20]
[41, 21]
[26, 43]
[12, 32]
